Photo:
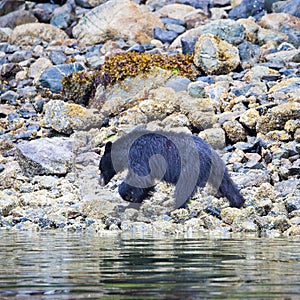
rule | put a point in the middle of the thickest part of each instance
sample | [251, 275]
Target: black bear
[178, 158]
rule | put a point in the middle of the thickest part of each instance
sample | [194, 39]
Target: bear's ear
[108, 147]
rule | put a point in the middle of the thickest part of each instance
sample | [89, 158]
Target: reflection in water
[56, 265]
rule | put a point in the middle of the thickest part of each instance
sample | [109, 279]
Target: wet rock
[227, 30]
[124, 19]
[28, 34]
[51, 77]
[214, 56]
[67, 117]
[46, 156]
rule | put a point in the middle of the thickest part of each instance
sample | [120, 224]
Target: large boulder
[122, 19]
[46, 156]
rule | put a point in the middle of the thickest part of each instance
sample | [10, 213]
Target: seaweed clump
[81, 86]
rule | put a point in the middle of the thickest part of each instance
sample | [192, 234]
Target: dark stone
[247, 8]
[165, 36]
[292, 203]
[8, 71]
[290, 7]
[43, 12]
[249, 52]
[188, 44]
[271, 77]
[83, 3]
[4, 47]
[25, 113]
[39, 104]
[59, 2]
[51, 78]
[92, 50]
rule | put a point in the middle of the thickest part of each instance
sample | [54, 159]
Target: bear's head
[133, 194]
[107, 171]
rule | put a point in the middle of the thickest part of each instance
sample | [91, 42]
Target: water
[56, 265]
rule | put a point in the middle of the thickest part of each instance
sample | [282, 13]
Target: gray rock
[10, 97]
[67, 117]
[29, 34]
[226, 29]
[178, 83]
[215, 56]
[62, 16]
[51, 78]
[124, 19]
[188, 44]
[165, 36]
[46, 156]
[290, 7]
[215, 137]
[253, 8]
[16, 18]
[249, 53]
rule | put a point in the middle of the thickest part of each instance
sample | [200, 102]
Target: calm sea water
[56, 265]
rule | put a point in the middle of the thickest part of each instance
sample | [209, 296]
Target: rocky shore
[75, 74]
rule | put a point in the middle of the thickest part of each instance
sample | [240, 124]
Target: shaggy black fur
[178, 158]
